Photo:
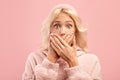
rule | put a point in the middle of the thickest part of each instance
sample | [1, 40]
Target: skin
[62, 40]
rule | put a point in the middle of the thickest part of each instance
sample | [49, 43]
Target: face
[63, 25]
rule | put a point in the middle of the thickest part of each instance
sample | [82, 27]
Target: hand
[64, 50]
[52, 55]
[68, 38]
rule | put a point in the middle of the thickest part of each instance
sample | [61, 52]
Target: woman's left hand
[64, 50]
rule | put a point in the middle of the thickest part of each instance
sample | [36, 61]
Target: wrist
[73, 62]
[52, 59]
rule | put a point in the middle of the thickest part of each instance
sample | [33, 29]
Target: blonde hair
[80, 33]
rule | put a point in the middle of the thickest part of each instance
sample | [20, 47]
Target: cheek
[74, 29]
[70, 30]
[52, 30]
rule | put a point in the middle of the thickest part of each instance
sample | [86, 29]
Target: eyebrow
[59, 21]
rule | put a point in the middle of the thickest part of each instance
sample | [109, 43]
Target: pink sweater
[38, 67]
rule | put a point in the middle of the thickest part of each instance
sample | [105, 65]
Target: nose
[62, 31]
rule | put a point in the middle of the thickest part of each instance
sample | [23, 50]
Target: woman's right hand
[52, 55]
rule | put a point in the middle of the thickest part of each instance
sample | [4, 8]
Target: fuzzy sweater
[38, 67]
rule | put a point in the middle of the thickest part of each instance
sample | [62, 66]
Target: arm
[46, 70]
[42, 71]
[77, 73]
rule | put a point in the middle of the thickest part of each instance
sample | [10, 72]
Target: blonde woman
[64, 55]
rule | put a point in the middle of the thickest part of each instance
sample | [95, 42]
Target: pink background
[20, 22]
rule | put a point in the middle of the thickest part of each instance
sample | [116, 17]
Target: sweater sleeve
[77, 73]
[46, 70]
[42, 71]
[28, 73]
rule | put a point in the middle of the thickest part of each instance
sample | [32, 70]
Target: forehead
[63, 17]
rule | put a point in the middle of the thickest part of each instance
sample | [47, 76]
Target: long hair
[80, 33]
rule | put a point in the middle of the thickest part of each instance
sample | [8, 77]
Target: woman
[64, 55]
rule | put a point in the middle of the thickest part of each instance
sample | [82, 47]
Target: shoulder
[90, 63]
[85, 55]
[88, 58]
[36, 56]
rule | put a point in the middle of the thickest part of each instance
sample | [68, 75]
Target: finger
[58, 51]
[55, 48]
[61, 40]
[58, 42]
[64, 37]
[68, 36]
[74, 42]
[69, 39]
[54, 41]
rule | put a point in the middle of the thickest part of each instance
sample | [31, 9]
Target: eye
[56, 26]
[69, 26]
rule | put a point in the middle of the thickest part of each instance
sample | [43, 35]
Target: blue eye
[69, 26]
[56, 26]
